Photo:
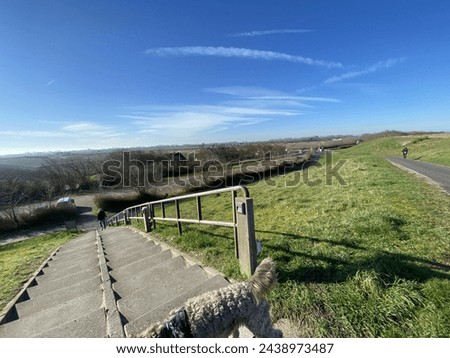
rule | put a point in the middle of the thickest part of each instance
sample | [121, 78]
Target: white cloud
[29, 133]
[243, 91]
[235, 52]
[89, 129]
[270, 32]
[378, 66]
[194, 120]
[247, 109]
[262, 94]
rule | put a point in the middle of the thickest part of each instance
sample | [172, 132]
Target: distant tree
[13, 193]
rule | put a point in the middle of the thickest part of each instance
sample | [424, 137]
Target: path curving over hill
[434, 173]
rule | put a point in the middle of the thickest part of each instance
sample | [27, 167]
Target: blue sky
[100, 74]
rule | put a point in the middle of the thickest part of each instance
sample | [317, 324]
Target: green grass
[367, 259]
[19, 260]
[433, 148]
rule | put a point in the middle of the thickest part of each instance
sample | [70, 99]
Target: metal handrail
[242, 224]
[135, 212]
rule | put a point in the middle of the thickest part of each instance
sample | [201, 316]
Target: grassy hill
[361, 253]
[433, 148]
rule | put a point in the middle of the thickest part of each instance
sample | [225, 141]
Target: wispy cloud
[376, 67]
[89, 130]
[235, 52]
[270, 32]
[29, 133]
[74, 130]
[190, 121]
[262, 94]
[247, 107]
[50, 83]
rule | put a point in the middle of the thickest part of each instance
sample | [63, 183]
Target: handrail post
[152, 215]
[177, 213]
[235, 229]
[147, 222]
[199, 208]
[246, 235]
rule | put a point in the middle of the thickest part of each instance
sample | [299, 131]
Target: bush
[50, 216]
[119, 202]
[6, 224]
[41, 217]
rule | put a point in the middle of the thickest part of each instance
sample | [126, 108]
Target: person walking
[101, 217]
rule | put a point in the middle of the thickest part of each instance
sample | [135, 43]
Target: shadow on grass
[389, 266]
[345, 243]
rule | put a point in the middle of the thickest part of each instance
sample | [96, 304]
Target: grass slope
[19, 260]
[433, 148]
[366, 258]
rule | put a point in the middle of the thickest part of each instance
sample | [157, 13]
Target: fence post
[152, 216]
[125, 217]
[235, 230]
[177, 213]
[147, 222]
[246, 235]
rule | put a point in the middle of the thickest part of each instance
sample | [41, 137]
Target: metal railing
[242, 222]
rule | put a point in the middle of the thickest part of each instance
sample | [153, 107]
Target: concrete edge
[421, 176]
[8, 311]
[190, 259]
[114, 327]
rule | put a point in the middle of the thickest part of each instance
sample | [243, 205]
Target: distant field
[366, 258]
[23, 162]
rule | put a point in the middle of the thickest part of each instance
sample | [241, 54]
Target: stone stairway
[110, 284]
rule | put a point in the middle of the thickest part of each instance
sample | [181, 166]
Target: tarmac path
[434, 173]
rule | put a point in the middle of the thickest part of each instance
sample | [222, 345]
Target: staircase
[108, 284]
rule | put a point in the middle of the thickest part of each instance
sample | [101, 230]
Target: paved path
[437, 174]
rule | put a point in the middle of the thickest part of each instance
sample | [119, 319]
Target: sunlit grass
[19, 260]
[361, 253]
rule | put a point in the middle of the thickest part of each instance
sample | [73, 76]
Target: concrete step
[84, 238]
[58, 283]
[123, 272]
[122, 239]
[82, 246]
[80, 273]
[130, 250]
[118, 235]
[151, 276]
[150, 297]
[92, 325]
[45, 320]
[76, 255]
[63, 270]
[80, 242]
[161, 312]
[125, 245]
[54, 298]
[132, 256]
